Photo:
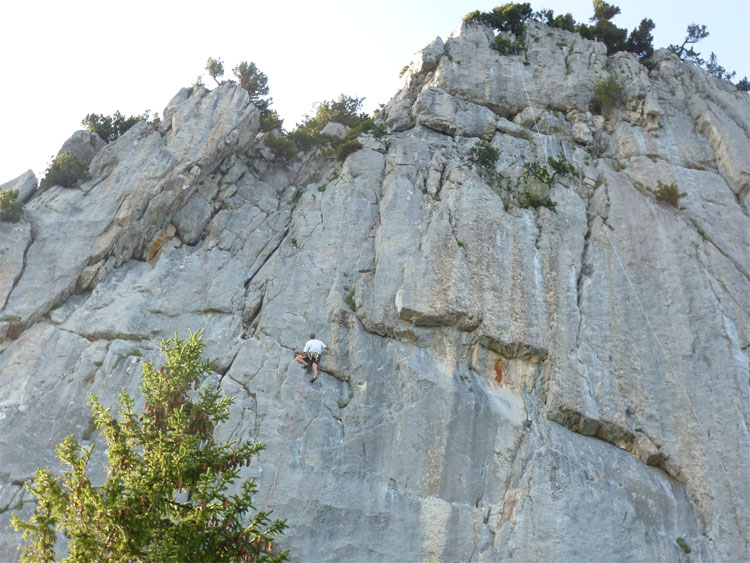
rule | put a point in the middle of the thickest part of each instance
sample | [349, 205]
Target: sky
[62, 60]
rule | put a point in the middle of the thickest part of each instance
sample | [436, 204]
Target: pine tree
[166, 495]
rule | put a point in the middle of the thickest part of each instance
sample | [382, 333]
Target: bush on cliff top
[165, 497]
[110, 127]
[65, 170]
[308, 134]
[513, 16]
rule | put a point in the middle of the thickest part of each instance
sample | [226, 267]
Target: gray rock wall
[504, 383]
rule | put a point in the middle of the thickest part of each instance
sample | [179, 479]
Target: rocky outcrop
[83, 144]
[26, 185]
[504, 382]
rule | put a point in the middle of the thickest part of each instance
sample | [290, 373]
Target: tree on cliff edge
[165, 497]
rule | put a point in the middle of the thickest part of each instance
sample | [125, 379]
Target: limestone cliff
[505, 383]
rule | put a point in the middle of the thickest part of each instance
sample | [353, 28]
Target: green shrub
[561, 166]
[304, 141]
[270, 120]
[683, 545]
[110, 127]
[378, 131]
[507, 47]
[215, 68]
[284, 149]
[345, 110]
[347, 147]
[10, 208]
[641, 41]
[252, 80]
[534, 187]
[65, 170]
[668, 193]
[715, 69]
[532, 192]
[566, 22]
[508, 17]
[695, 33]
[485, 155]
[539, 171]
[608, 94]
[368, 126]
[166, 494]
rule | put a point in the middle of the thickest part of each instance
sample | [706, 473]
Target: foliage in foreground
[10, 208]
[165, 497]
[65, 170]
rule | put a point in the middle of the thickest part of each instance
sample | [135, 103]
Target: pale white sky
[63, 59]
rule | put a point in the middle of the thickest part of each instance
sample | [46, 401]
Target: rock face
[504, 382]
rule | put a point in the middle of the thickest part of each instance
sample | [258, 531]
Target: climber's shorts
[312, 358]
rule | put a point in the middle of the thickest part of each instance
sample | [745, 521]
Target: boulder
[83, 144]
[26, 185]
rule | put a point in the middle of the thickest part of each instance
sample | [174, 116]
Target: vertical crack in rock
[32, 238]
[249, 280]
[583, 270]
[224, 371]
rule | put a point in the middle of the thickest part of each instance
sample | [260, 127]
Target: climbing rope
[528, 100]
[283, 449]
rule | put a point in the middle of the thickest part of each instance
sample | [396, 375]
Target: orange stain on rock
[499, 369]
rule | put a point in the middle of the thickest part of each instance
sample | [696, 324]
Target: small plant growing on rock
[10, 209]
[668, 193]
[683, 545]
[539, 171]
[485, 155]
[561, 166]
[349, 298]
[507, 47]
[347, 147]
[534, 193]
[608, 94]
[65, 170]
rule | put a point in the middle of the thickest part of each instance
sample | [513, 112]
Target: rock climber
[310, 356]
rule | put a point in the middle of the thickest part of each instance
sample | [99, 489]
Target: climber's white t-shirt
[316, 346]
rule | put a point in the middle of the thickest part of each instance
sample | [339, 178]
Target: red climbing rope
[283, 449]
